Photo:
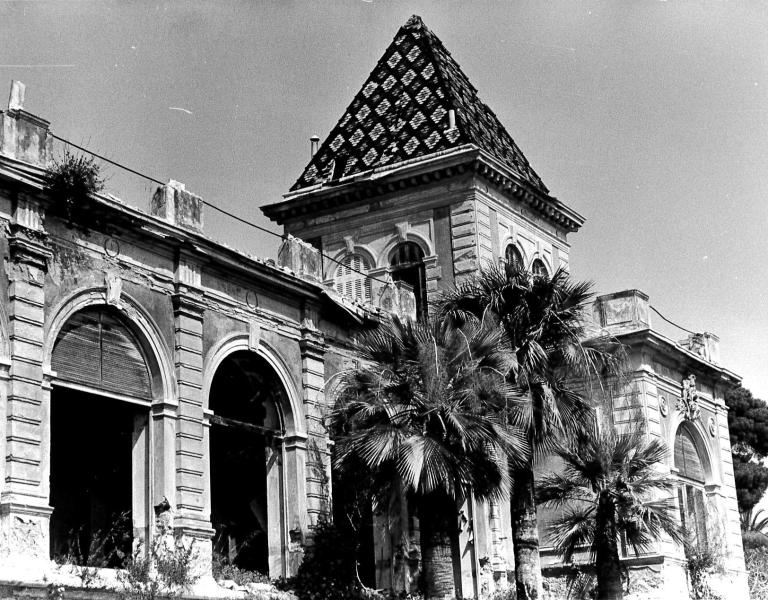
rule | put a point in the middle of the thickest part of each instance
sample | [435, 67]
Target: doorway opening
[93, 443]
[246, 467]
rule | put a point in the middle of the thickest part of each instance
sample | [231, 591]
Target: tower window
[513, 257]
[407, 265]
[349, 279]
[539, 269]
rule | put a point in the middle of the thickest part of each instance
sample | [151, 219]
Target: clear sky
[648, 117]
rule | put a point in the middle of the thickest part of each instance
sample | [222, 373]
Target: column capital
[28, 246]
[188, 303]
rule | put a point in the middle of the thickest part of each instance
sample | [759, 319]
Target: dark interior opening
[244, 394]
[92, 441]
[407, 264]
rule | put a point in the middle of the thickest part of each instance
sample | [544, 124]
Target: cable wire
[654, 309]
[213, 206]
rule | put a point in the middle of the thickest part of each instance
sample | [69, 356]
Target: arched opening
[513, 257]
[690, 494]
[407, 265]
[247, 428]
[539, 269]
[99, 484]
[351, 280]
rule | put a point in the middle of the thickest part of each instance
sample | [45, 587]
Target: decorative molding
[688, 404]
[114, 288]
[663, 406]
[254, 335]
[712, 427]
[349, 242]
[402, 230]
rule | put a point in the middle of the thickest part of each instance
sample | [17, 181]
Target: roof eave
[672, 348]
[417, 171]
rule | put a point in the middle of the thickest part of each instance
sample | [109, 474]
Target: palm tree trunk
[525, 536]
[437, 525]
[608, 564]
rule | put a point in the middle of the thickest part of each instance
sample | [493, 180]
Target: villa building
[144, 368]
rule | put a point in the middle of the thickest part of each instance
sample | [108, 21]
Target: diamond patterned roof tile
[400, 113]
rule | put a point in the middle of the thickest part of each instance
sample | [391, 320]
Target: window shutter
[97, 350]
[349, 278]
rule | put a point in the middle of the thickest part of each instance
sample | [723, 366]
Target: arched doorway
[407, 265]
[692, 472]
[247, 429]
[100, 403]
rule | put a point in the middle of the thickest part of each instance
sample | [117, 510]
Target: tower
[419, 182]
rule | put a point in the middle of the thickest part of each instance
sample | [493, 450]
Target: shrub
[224, 569]
[754, 540]
[71, 180]
[757, 572]
[163, 569]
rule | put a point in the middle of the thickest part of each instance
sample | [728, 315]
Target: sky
[650, 118]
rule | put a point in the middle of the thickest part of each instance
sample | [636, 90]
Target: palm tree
[425, 416]
[609, 490]
[543, 323]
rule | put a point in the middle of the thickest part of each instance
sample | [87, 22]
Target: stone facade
[669, 404]
[192, 307]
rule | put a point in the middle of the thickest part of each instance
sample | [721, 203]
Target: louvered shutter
[687, 457]
[97, 350]
[349, 279]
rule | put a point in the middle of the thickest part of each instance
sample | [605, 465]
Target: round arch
[293, 414]
[137, 319]
[333, 263]
[696, 433]
[510, 246]
[412, 236]
[538, 257]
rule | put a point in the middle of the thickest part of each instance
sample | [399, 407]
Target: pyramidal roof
[401, 113]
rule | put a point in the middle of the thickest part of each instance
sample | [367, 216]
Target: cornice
[467, 159]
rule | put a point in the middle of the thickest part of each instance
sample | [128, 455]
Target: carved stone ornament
[689, 400]
[712, 426]
[663, 406]
[114, 288]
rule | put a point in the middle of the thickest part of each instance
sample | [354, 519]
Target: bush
[328, 570]
[223, 569]
[757, 572]
[754, 540]
[71, 180]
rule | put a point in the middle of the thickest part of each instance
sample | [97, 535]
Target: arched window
[514, 257]
[539, 269]
[349, 279]
[99, 423]
[690, 494]
[407, 264]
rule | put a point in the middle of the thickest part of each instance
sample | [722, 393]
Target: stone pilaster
[24, 508]
[464, 239]
[192, 519]
[318, 453]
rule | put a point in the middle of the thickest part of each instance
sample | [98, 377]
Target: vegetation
[748, 425]
[609, 491]
[71, 180]
[542, 320]
[757, 572]
[425, 417]
[162, 568]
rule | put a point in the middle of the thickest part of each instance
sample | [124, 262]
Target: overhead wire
[213, 206]
[269, 231]
[654, 309]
